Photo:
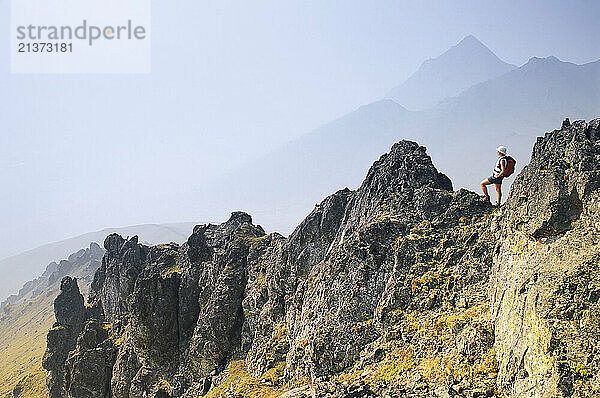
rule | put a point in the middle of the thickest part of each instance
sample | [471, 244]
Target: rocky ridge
[402, 288]
[84, 262]
[25, 319]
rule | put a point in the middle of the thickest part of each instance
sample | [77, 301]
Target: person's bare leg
[499, 192]
[484, 184]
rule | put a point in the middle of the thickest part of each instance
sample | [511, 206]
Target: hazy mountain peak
[470, 42]
[469, 39]
[545, 60]
[463, 65]
[469, 45]
[384, 105]
[555, 69]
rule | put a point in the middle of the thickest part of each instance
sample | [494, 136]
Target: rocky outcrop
[400, 288]
[546, 279]
[70, 314]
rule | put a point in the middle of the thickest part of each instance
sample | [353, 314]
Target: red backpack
[509, 169]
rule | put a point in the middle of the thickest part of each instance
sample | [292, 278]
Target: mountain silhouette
[463, 65]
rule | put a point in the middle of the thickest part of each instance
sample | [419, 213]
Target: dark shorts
[495, 180]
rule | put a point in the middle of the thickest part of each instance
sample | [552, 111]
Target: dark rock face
[68, 306]
[89, 366]
[399, 173]
[69, 311]
[382, 291]
[114, 281]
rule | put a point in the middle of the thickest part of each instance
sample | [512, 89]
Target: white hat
[501, 149]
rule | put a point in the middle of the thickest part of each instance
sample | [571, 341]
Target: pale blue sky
[230, 80]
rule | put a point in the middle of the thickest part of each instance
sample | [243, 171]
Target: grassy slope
[23, 342]
[238, 382]
[34, 384]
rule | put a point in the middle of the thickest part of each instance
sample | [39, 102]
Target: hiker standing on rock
[504, 168]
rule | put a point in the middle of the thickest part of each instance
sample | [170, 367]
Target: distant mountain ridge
[507, 110]
[542, 85]
[462, 66]
[461, 133]
[18, 269]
